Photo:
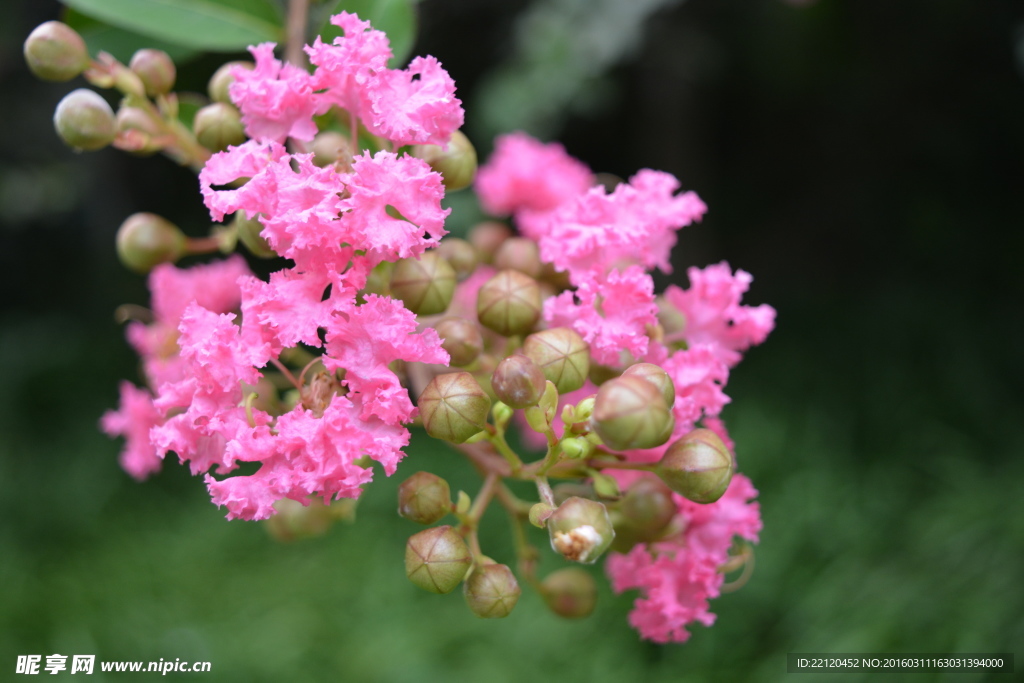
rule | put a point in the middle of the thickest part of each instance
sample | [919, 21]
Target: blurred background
[863, 159]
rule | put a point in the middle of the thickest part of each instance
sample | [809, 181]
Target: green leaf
[122, 44]
[214, 25]
[397, 18]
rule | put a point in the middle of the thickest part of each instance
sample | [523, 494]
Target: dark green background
[864, 159]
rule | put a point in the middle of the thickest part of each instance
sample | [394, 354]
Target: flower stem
[298, 14]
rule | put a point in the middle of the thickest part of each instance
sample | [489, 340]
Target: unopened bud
[328, 147]
[562, 355]
[487, 237]
[630, 413]
[519, 254]
[84, 120]
[643, 513]
[454, 407]
[699, 466]
[437, 559]
[518, 381]
[218, 126]
[539, 514]
[656, 376]
[461, 338]
[460, 255]
[293, 521]
[580, 530]
[491, 591]
[55, 52]
[145, 240]
[576, 448]
[456, 163]
[509, 303]
[569, 592]
[425, 285]
[155, 69]
[424, 498]
[250, 234]
[670, 318]
[222, 79]
[137, 130]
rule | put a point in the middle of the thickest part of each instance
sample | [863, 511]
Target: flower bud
[643, 513]
[577, 448]
[539, 514]
[487, 237]
[519, 253]
[518, 381]
[145, 240]
[456, 163]
[136, 131]
[454, 407]
[424, 498]
[155, 69]
[569, 592]
[222, 79]
[218, 126]
[328, 147]
[461, 338]
[630, 413]
[293, 521]
[562, 355]
[425, 284]
[491, 591]
[671, 319]
[250, 234]
[580, 530]
[460, 255]
[437, 559]
[509, 303]
[55, 52]
[699, 466]
[656, 376]
[84, 120]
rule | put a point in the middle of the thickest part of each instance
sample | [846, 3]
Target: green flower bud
[329, 147]
[454, 407]
[379, 279]
[456, 163]
[136, 131]
[55, 52]
[84, 120]
[509, 303]
[519, 253]
[460, 255]
[502, 415]
[425, 285]
[656, 376]
[424, 498]
[218, 126]
[580, 530]
[145, 240]
[670, 318]
[156, 70]
[630, 413]
[539, 514]
[562, 355]
[491, 591]
[461, 338]
[643, 513]
[250, 234]
[437, 559]
[518, 381]
[294, 521]
[576, 448]
[699, 466]
[570, 592]
[487, 237]
[222, 79]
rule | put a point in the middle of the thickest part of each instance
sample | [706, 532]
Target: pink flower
[275, 98]
[133, 420]
[345, 67]
[414, 106]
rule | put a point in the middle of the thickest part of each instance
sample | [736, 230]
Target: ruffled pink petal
[414, 106]
[275, 98]
[133, 419]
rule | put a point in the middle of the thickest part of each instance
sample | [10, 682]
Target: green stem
[497, 439]
[298, 17]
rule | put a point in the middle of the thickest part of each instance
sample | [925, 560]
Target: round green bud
[570, 592]
[222, 79]
[643, 513]
[580, 530]
[670, 318]
[250, 233]
[155, 69]
[491, 591]
[145, 240]
[329, 147]
[656, 376]
[218, 126]
[509, 303]
[456, 162]
[437, 559]
[539, 514]
[55, 52]
[518, 381]
[424, 498]
[293, 521]
[137, 130]
[425, 285]
[84, 120]
[699, 466]
[630, 413]
[577, 447]
[562, 355]
[461, 338]
[487, 237]
[519, 253]
[460, 255]
[454, 407]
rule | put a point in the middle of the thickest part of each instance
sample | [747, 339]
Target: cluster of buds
[551, 328]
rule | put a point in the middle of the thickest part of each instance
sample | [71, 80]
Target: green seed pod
[580, 530]
[55, 52]
[461, 338]
[509, 303]
[425, 285]
[487, 237]
[329, 147]
[460, 255]
[519, 253]
[437, 559]
[630, 413]
[518, 381]
[145, 240]
[656, 376]
[155, 69]
[222, 79]
[456, 163]
[84, 120]
[699, 466]
[250, 234]
[491, 591]
[562, 355]
[218, 126]
[454, 407]
[569, 592]
[424, 498]
[642, 514]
